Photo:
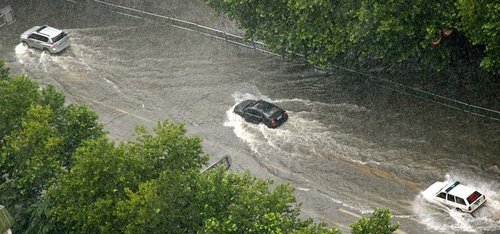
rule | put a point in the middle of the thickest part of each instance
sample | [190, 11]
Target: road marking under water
[116, 109]
[129, 15]
[349, 213]
[324, 218]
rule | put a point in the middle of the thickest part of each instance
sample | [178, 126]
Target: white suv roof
[456, 189]
[49, 31]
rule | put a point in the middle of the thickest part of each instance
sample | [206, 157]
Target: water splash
[301, 136]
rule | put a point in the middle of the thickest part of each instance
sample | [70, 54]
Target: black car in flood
[260, 111]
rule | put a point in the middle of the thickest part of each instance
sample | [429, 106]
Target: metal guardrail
[7, 16]
[261, 47]
[190, 26]
[428, 96]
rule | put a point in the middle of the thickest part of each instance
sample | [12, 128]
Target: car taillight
[273, 122]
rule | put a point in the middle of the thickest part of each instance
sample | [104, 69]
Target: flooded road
[349, 146]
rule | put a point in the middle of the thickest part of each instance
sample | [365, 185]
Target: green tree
[30, 160]
[16, 97]
[181, 201]
[83, 199]
[38, 136]
[480, 21]
[77, 124]
[103, 175]
[353, 33]
[4, 71]
[379, 223]
[241, 203]
[168, 148]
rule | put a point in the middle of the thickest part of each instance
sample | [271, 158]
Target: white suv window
[460, 201]
[39, 37]
[59, 37]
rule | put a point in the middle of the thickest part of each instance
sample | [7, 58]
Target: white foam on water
[34, 59]
[30, 58]
[301, 136]
[21, 52]
[77, 58]
[359, 209]
[463, 221]
[303, 189]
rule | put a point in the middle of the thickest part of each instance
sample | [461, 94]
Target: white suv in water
[456, 195]
[46, 38]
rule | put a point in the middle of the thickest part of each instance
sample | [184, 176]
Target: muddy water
[348, 147]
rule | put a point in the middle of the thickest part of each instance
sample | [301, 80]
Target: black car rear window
[59, 37]
[267, 108]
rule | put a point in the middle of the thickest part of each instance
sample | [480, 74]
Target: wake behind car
[46, 38]
[260, 111]
[456, 195]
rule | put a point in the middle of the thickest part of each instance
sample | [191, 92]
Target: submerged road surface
[348, 147]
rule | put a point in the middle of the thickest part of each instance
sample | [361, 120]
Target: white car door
[461, 203]
[33, 41]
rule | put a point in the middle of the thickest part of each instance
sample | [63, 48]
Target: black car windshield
[267, 109]
[59, 37]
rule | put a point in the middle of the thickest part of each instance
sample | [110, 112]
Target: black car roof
[266, 108]
[245, 104]
[262, 105]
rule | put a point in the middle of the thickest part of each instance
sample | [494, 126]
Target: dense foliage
[480, 22]
[433, 33]
[380, 222]
[38, 135]
[4, 71]
[60, 173]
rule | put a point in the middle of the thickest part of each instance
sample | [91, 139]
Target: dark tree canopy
[38, 136]
[352, 32]
[379, 222]
[480, 22]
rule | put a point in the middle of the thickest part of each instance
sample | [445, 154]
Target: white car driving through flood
[46, 38]
[455, 195]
